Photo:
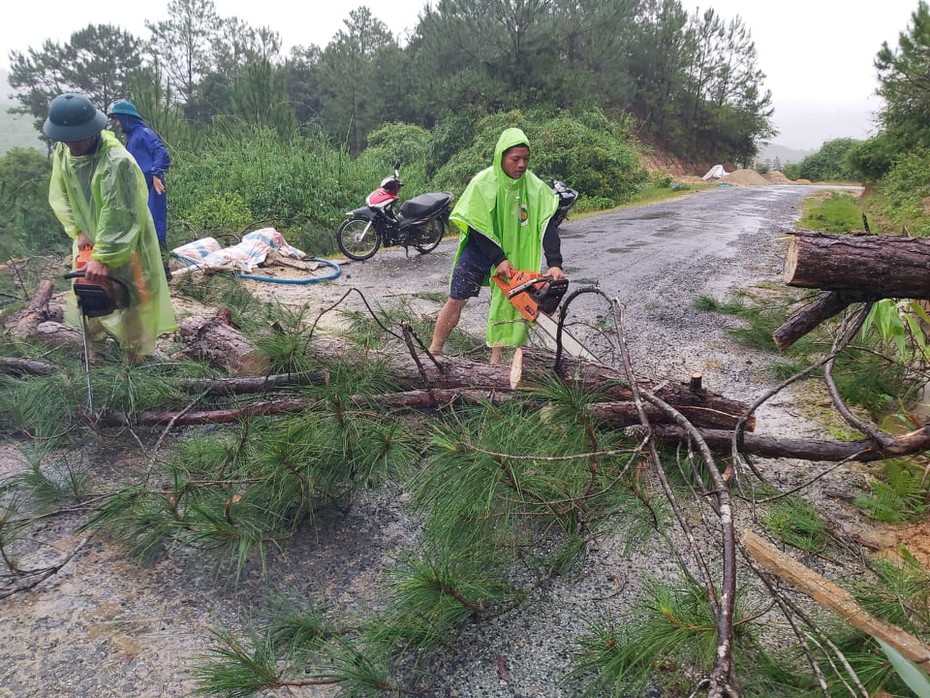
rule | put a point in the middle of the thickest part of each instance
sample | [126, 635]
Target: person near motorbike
[505, 216]
[99, 195]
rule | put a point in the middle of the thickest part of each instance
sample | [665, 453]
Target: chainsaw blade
[570, 345]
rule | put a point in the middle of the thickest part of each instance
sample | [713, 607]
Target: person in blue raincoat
[150, 152]
[98, 193]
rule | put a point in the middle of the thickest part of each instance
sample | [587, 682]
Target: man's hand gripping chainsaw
[531, 292]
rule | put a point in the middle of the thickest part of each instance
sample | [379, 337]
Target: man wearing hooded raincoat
[504, 216]
[98, 193]
[150, 152]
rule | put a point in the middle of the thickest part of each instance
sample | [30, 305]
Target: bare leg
[497, 355]
[448, 318]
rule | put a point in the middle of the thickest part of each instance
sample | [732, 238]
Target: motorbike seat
[425, 205]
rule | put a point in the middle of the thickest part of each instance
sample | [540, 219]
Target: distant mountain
[16, 130]
[769, 153]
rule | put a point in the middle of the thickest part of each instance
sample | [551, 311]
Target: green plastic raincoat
[104, 195]
[513, 213]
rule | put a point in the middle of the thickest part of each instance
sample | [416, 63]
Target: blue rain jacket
[149, 151]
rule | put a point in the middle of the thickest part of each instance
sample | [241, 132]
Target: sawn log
[850, 269]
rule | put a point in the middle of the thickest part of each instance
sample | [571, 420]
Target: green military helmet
[124, 107]
[71, 117]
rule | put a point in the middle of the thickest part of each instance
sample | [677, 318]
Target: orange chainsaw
[531, 292]
[94, 300]
[536, 296]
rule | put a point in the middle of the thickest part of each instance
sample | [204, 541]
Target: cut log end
[696, 382]
[791, 259]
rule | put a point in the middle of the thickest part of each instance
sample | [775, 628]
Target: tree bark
[28, 367]
[824, 306]
[218, 342]
[36, 313]
[876, 266]
[863, 450]
[215, 339]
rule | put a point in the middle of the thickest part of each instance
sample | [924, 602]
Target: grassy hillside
[15, 130]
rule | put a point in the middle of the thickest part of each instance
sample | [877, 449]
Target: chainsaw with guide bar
[536, 296]
[94, 300]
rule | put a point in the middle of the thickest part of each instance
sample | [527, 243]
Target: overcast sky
[817, 54]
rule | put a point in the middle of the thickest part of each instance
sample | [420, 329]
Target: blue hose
[302, 282]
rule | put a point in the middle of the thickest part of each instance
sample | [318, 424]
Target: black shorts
[471, 272]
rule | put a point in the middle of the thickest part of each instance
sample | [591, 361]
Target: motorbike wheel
[358, 239]
[430, 235]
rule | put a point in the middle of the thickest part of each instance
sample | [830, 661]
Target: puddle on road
[652, 215]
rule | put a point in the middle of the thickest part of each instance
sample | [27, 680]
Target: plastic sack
[195, 252]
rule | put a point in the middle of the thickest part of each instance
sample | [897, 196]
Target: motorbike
[419, 222]
[567, 197]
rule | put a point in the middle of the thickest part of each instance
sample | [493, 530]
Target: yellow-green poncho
[513, 213]
[103, 194]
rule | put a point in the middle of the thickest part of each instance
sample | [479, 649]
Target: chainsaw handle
[81, 273]
[526, 285]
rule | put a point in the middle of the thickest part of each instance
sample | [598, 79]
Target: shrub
[26, 220]
[902, 193]
[591, 153]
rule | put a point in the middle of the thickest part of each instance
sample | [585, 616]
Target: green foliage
[285, 346]
[247, 178]
[872, 381]
[871, 665]
[407, 143]
[837, 213]
[907, 671]
[434, 594]
[862, 373]
[227, 291]
[904, 84]
[594, 154]
[26, 219]
[230, 669]
[872, 159]
[49, 483]
[671, 634]
[900, 594]
[898, 324]
[902, 193]
[795, 521]
[97, 61]
[497, 475]
[43, 406]
[900, 495]
[830, 162]
[235, 495]
[138, 520]
[759, 319]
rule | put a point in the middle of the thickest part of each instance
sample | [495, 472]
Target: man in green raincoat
[99, 195]
[504, 216]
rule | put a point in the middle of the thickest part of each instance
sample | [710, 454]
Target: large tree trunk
[850, 269]
[876, 266]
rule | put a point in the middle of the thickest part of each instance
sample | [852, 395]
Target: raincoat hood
[129, 123]
[510, 138]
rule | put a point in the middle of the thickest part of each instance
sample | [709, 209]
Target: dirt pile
[777, 177]
[744, 178]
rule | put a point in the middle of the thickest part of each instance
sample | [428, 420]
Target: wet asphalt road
[654, 259]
